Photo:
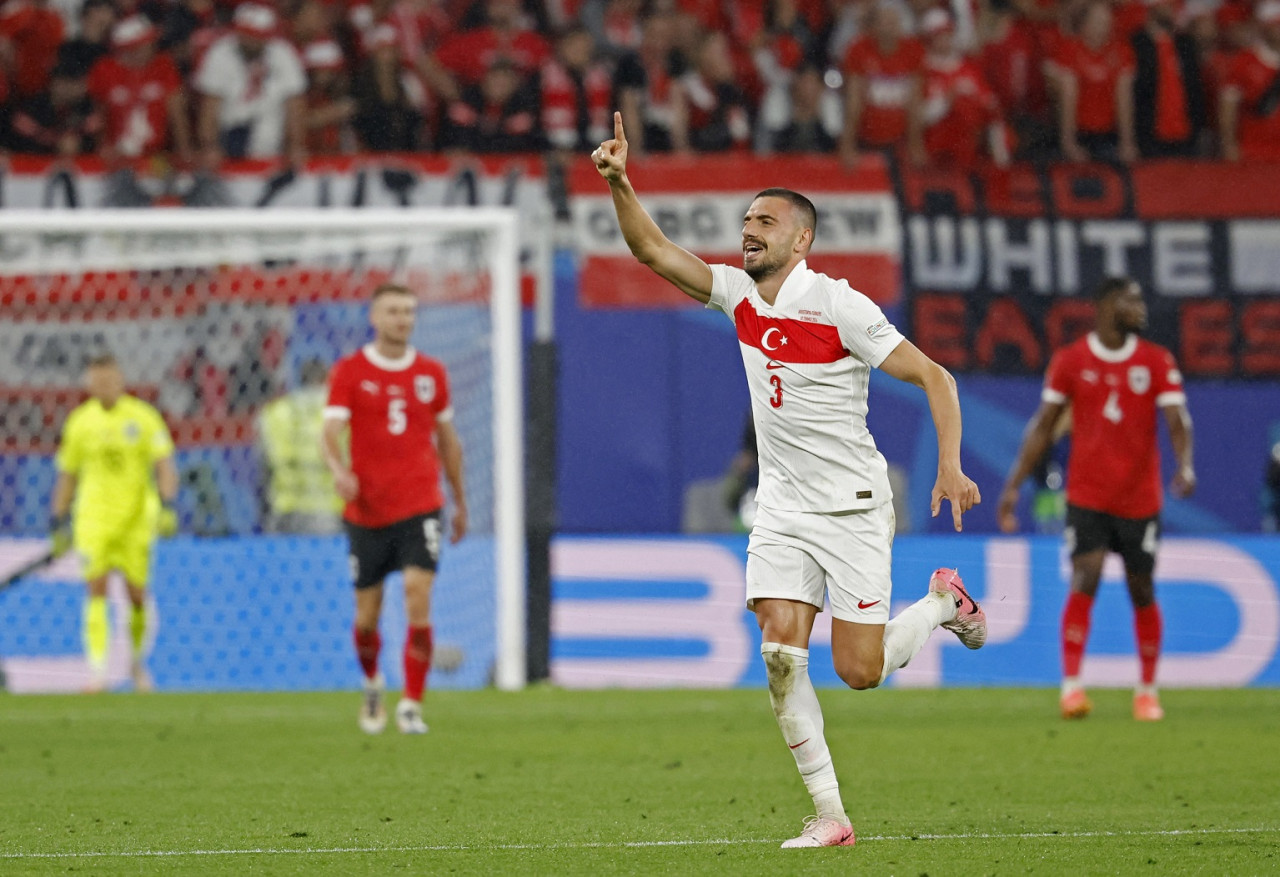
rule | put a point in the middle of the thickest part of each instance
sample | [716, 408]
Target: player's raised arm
[907, 363]
[647, 242]
[1036, 441]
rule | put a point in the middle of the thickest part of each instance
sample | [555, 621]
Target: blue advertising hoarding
[275, 613]
[656, 612]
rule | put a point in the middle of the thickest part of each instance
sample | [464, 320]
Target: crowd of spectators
[938, 82]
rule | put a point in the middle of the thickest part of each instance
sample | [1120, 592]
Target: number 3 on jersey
[775, 381]
[397, 421]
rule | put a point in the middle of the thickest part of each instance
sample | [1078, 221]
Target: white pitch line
[636, 844]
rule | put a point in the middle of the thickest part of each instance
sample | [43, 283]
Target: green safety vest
[290, 429]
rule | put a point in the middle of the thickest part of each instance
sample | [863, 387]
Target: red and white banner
[385, 180]
[699, 203]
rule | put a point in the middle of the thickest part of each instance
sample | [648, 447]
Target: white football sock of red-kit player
[906, 634]
[795, 705]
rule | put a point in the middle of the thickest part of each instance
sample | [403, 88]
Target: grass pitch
[557, 782]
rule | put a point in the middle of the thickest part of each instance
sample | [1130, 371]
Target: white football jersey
[808, 359]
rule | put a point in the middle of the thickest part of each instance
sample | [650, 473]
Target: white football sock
[1070, 684]
[795, 706]
[906, 634]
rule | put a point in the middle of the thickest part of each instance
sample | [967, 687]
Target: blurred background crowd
[956, 83]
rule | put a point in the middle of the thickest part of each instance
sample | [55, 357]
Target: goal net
[228, 321]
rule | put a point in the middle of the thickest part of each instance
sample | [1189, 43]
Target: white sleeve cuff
[337, 412]
[1172, 397]
[445, 416]
[1048, 394]
[889, 345]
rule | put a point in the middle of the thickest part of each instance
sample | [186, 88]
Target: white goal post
[463, 255]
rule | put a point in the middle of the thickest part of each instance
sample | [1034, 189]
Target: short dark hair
[1111, 286]
[808, 213]
[101, 359]
[389, 289]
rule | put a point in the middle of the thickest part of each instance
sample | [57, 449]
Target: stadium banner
[669, 612]
[999, 266]
[699, 204]
[275, 613]
[390, 180]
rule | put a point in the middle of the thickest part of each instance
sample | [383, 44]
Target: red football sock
[1075, 632]
[368, 644]
[417, 661]
[1147, 625]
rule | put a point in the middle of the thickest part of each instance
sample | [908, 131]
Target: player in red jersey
[395, 404]
[1114, 382]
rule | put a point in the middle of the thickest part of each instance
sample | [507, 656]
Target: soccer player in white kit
[825, 521]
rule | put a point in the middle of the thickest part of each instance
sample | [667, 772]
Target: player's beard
[766, 266]
[1136, 326]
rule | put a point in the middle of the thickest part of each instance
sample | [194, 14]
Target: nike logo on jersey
[801, 743]
[773, 363]
[864, 605]
[369, 386]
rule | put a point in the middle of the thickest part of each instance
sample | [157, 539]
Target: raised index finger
[618, 133]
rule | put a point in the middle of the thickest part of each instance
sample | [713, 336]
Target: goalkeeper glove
[60, 534]
[167, 523]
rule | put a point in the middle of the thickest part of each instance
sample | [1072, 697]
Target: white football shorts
[845, 555]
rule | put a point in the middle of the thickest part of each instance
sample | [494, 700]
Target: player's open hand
[611, 155]
[1005, 514]
[458, 526]
[956, 487]
[347, 485]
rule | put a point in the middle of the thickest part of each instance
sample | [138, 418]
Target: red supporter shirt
[136, 102]
[393, 407]
[1013, 68]
[1249, 75]
[36, 33]
[1114, 465]
[560, 107]
[889, 81]
[468, 55]
[958, 108]
[1130, 17]
[1096, 74]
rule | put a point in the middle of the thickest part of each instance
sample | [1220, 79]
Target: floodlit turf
[553, 782]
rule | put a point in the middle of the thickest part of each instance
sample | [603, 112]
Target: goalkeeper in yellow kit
[115, 491]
